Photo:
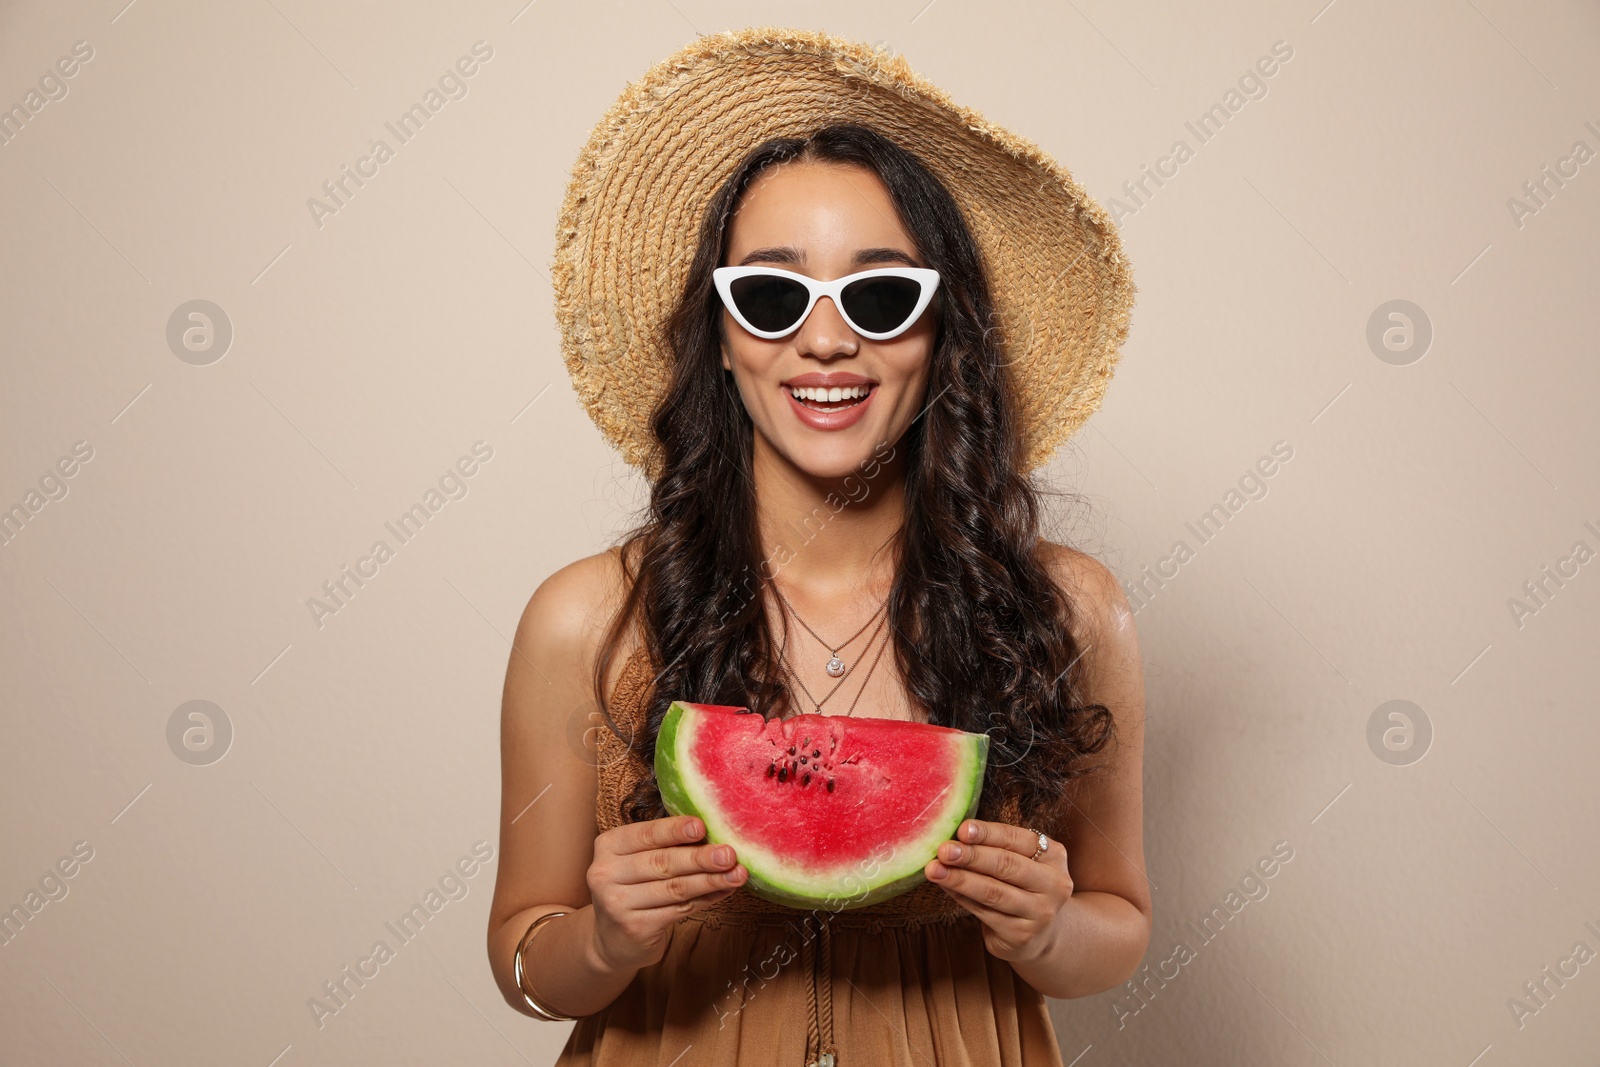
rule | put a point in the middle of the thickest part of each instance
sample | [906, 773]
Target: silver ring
[1044, 844]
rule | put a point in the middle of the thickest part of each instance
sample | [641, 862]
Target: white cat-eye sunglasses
[878, 304]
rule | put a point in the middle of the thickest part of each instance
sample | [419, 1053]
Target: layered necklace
[836, 667]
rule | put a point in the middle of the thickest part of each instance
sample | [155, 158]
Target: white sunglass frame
[926, 277]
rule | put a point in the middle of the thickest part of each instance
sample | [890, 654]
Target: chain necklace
[835, 666]
[817, 704]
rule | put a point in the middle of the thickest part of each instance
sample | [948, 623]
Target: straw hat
[630, 221]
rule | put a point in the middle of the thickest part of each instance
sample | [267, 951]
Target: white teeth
[830, 396]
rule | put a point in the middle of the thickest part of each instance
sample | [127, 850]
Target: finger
[990, 892]
[659, 833]
[1002, 934]
[1002, 835]
[1000, 863]
[671, 913]
[994, 920]
[662, 863]
[670, 892]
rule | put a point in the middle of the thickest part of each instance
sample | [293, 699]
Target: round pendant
[835, 667]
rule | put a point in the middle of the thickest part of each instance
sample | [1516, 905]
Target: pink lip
[829, 420]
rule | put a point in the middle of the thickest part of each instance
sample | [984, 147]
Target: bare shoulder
[1100, 607]
[1113, 665]
[569, 601]
[546, 844]
[567, 617]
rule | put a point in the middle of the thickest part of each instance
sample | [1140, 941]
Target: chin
[833, 460]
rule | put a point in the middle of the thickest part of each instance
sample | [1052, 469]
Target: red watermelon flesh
[825, 811]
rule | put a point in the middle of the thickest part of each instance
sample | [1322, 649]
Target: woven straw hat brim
[628, 226]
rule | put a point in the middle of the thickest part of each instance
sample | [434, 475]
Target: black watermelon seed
[772, 768]
[783, 773]
[807, 779]
[830, 785]
[802, 759]
[791, 750]
[816, 752]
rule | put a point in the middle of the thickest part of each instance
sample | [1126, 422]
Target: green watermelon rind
[894, 879]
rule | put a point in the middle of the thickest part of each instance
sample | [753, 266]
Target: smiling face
[825, 221]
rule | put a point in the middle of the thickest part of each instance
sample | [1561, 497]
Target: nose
[824, 334]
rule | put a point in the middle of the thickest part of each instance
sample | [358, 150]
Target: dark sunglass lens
[881, 304]
[768, 302]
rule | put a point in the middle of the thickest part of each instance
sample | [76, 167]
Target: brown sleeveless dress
[747, 982]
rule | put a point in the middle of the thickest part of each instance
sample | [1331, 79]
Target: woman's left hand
[988, 869]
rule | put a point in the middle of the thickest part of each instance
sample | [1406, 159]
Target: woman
[853, 461]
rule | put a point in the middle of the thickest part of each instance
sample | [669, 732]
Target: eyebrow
[791, 255]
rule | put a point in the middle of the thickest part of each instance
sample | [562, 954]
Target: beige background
[370, 353]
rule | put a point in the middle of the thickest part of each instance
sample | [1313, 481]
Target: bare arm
[547, 795]
[1104, 933]
[1077, 920]
[622, 890]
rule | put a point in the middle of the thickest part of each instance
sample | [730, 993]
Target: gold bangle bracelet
[517, 968]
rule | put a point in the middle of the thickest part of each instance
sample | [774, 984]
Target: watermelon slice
[825, 811]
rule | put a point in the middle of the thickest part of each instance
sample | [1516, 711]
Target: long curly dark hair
[981, 633]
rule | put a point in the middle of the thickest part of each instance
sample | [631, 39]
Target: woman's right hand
[648, 875]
